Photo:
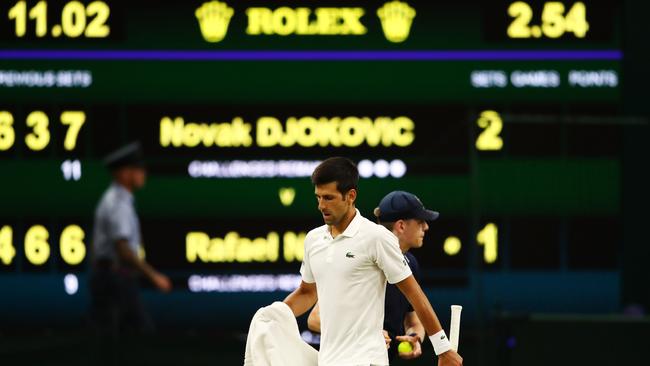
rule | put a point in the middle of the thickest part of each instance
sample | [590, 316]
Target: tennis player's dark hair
[337, 169]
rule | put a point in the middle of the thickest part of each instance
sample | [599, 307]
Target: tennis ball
[404, 347]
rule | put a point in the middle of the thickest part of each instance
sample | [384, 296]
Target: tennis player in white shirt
[345, 267]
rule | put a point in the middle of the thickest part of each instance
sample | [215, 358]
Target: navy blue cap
[128, 155]
[400, 205]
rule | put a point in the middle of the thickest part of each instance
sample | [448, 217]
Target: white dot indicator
[397, 169]
[382, 168]
[366, 168]
[71, 284]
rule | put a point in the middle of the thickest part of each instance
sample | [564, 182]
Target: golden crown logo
[214, 18]
[396, 19]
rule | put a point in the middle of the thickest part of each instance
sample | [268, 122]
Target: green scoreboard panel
[505, 116]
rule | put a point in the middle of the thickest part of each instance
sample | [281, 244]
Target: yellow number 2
[489, 139]
[40, 136]
[522, 14]
[97, 27]
[7, 250]
[74, 119]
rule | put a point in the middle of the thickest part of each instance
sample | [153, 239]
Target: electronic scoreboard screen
[505, 116]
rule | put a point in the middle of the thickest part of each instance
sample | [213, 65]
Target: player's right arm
[305, 296]
[302, 298]
[414, 294]
[126, 255]
[391, 261]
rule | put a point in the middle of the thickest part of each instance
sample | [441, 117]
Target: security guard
[116, 305]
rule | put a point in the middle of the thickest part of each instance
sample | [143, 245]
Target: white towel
[274, 339]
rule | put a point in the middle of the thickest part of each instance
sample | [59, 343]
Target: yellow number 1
[39, 13]
[488, 237]
[18, 12]
[74, 119]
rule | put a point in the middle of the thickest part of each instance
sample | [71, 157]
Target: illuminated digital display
[551, 22]
[61, 20]
[555, 22]
[77, 19]
[503, 116]
[39, 136]
[270, 152]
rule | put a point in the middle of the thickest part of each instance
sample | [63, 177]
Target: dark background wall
[636, 202]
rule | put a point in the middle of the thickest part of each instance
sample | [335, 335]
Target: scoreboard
[505, 116]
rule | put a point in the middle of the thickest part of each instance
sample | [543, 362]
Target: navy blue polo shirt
[397, 306]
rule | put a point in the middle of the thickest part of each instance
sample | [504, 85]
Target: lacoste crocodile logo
[349, 255]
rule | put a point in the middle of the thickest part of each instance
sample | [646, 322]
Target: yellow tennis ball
[404, 347]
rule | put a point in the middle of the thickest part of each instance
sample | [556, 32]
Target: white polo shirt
[350, 272]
